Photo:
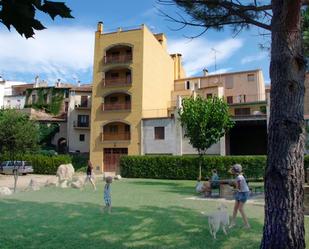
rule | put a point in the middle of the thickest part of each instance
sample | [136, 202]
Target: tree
[205, 121]
[21, 14]
[284, 174]
[18, 135]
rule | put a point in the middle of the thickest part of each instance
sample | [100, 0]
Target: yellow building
[133, 77]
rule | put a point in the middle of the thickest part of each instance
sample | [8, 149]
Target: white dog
[218, 219]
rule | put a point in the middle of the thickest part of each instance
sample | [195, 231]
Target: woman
[90, 175]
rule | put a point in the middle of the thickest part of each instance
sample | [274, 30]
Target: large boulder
[65, 173]
[34, 185]
[5, 191]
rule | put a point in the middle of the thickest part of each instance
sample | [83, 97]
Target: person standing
[90, 175]
[241, 195]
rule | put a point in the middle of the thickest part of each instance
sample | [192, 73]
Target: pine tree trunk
[284, 176]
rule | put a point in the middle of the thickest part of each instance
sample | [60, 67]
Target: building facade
[79, 119]
[133, 79]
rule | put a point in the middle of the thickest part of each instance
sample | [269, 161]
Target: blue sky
[65, 49]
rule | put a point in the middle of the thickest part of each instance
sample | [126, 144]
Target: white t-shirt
[242, 183]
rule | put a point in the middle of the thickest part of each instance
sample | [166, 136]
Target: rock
[33, 185]
[51, 183]
[5, 191]
[117, 177]
[77, 184]
[63, 184]
[65, 173]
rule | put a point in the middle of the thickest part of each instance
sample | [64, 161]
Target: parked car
[22, 167]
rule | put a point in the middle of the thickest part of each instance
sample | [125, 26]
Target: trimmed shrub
[186, 167]
[42, 164]
[79, 160]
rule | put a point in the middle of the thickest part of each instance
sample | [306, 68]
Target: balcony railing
[120, 81]
[80, 125]
[83, 106]
[111, 136]
[116, 106]
[123, 58]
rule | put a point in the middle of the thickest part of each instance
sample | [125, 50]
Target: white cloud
[58, 52]
[252, 58]
[198, 53]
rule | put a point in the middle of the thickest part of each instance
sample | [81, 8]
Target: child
[215, 179]
[90, 175]
[241, 195]
[107, 194]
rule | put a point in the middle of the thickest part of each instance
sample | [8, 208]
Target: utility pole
[215, 51]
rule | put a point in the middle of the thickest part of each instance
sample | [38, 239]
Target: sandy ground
[23, 181]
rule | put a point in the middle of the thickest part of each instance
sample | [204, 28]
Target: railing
[77, 124]
[123, 58]
[120, 81]
[83, 106]
[116, 106]
[109, 136]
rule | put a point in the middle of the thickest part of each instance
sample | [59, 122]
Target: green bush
[79, 160]
[186, 167]
[43, 164]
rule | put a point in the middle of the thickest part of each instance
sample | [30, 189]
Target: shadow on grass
[61, 225]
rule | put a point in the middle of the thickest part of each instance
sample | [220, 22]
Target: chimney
[205, 72]
[100, 27]
[58, 83]
[1, 79]
[78, 83]
[36, 81]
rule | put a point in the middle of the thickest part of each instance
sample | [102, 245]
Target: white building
[78, 128]
[12, 93]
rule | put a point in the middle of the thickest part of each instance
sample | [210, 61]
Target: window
[113, 128]
[45, 97]
[187, 85]
[66, 93]
[113, 99]
[251, 77]
[127, 128]
[127, 98]
[115, 54]
[209, 95]
[84, 101]
[229, 81]
[159, 132]
[242, 111]
[229, 99]
[33, 97]
[82, 137]
[66, 106]
[114, 75]
[83, 120]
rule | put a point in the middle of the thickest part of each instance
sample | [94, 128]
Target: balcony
[120, 81]
[82, 106]
[116, 136]
[81, 126]
[126, 106]
[117, 59]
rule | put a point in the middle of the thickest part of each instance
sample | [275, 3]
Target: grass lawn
[146, 214]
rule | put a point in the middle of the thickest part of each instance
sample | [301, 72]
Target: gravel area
[23, 181]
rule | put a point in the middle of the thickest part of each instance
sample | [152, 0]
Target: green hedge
[43, 164]
[186, 167]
